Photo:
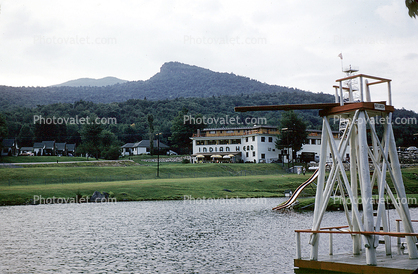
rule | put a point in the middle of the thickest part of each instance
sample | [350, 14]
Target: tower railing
[365, 81]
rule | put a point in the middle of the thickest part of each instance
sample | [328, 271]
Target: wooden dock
[348, 263]
[399, 261]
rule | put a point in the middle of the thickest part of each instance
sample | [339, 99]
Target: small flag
[340, 55]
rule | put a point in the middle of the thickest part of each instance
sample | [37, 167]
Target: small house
[49, 149]
[9, 147]
[38, 149]
[71, 149]
[128, 149]
[61, 149]
[142, 147]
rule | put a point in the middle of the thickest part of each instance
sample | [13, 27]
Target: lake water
[235, 236]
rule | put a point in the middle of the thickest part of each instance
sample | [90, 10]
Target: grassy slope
[161, 189]
[19, 185]
[94, 172]
[410, 179]
[136, 181]
[34, 159]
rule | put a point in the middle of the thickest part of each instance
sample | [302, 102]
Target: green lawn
[142, 159]
[120, 171]
[136, 180]
[161, 189]
[34, 159]
[132, 181]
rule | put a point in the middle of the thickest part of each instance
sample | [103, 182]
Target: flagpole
[341, 57]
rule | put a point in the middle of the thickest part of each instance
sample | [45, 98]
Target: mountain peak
[176, 67]
[174, 80]
[102, 82]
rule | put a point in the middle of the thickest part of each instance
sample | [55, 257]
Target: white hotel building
[247, 144]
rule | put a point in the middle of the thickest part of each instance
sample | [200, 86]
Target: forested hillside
[174, 80]
[132, 123]
[175, 88]
[132, 115]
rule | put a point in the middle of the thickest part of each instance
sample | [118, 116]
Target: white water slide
[297, 192]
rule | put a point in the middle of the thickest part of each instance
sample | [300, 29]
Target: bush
[185, 161]
[112, 153]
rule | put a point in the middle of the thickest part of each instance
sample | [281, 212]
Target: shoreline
[85, 200]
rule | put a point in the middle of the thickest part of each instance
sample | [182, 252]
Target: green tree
[112, 153]
[91, 139]
[3, 131]
[130, 133]
[99, 142]
[25, 137]
[73, 134]
[292, 133]
[151, 132]
[412, 6]
[50, 132]
[109, 145]
[182, 131]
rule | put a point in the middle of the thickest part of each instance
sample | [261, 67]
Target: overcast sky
[292, 43]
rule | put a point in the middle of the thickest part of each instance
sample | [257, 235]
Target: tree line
[133, 119]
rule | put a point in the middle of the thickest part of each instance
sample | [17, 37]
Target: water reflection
[159, 236]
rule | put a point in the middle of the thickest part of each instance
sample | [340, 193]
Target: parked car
[412, 149]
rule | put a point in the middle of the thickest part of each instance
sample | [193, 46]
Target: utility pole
[287, 130]
[158, 155]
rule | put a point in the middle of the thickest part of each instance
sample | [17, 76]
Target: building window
[199, 143]
[253, 153]
[263, 139]
[221, 149]
[248, 147]
[246, 154]
[313, 141]
[210, 149]
[199, 149]
[270, 139]
[269, 149]
[252, 147]
[229, 131]
[227, 149]
[212, 132]
[216, 149]
[237, 148]
[244, 148]
[205, 149]
[246, 139]
[263, 156]
[253, 138]
[235, 141]
[211, 142]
